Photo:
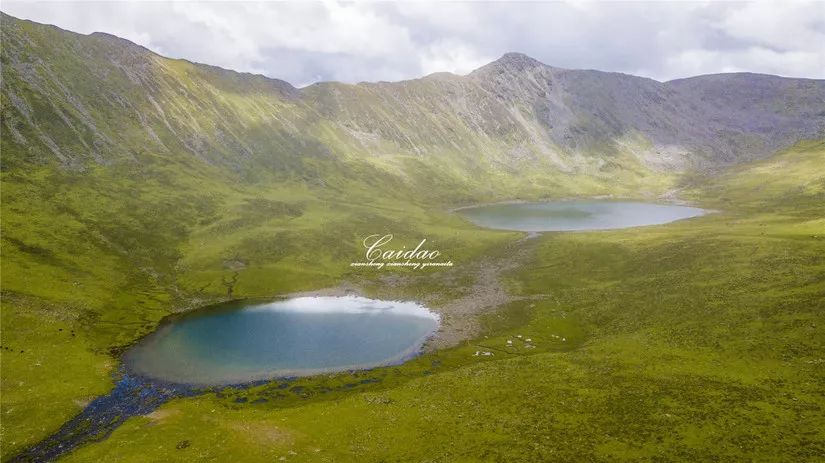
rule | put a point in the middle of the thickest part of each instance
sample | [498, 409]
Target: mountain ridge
[505, 57]
[513, 114]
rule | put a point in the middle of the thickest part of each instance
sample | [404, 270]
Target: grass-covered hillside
[694, 341]
[135, 186]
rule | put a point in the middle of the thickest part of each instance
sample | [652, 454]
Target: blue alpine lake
[580, 215]
[243, 342]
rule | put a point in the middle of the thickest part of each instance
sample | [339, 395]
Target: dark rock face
[702, 122]
[753, 112]
[74, 99]
[715, 119]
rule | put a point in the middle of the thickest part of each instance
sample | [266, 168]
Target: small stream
[132, 396]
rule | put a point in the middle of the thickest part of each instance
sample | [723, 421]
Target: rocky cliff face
[73, 100]
[701, 122]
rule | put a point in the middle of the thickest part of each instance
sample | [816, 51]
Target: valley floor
[701, 340]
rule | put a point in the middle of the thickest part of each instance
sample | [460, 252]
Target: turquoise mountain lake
[244, 342]
[575, 215]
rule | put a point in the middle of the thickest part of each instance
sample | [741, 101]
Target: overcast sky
[307, 42]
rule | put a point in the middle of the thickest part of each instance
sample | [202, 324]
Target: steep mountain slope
[571, 117]
[74, 98]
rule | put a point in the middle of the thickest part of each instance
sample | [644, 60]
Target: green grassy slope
[135, 186]
[695, 341]
[92, 262]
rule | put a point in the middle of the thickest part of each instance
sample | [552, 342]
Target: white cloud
[452, 56]
[790, 27]
[354, 305]
[304, 42]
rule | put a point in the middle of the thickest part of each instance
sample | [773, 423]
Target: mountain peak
[519, 59]
[511, 61]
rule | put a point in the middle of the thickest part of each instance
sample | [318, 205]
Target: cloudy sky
[351, 42]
